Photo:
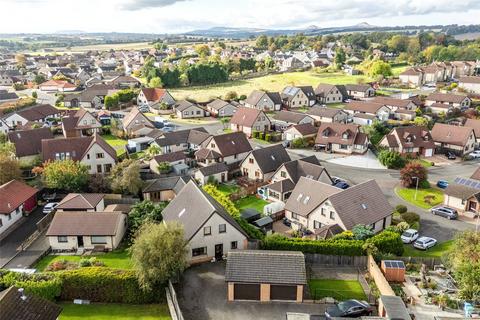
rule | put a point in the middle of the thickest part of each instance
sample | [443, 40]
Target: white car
[49, 207]
[474, 154]
[423, 243]
[409, 236]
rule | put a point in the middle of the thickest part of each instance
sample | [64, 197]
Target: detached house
[136, 123]
[248, 120]
[221, 108]
[413, 77]
[305, 130]
[57, 86]
[410, 141]
[328, 93]
[459, 140]
[217, 172]
[261, 164]
[475, 125]
[230, 148]
[341, 138]
[462, 197]
[80, 124]
[313, 205]
[284, 119]
[89, 202]
[154, 98]
[91, 97]
[210, 231]
[182, 140]
[265, 101]
[453, 100]
[321, 114]
[185, 109]
[164, 189]
[359, 91]
[94, 152]
[470, 83]
[378, 110]
[28, 143]
[39, 113]
[297, 97]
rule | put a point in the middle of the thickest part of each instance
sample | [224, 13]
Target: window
[88, 156]
[250, 160]
[1, 222]
[99, 168]
[317, 224]
[17, 210]
[9, 216]
[222, 228]
[233, 245]
[212, 145]
[207, 231]
[294, 216]
[108, 167]
[100, 155]
[343, 146]
[332, 215]
[198, 112]
[323, 212]
[199, 251]
[62, 239]
[98, 239]
[283, 174]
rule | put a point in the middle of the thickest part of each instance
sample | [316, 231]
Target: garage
[282, 292]
[246, 291]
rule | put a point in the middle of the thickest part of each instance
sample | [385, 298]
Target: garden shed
[393, 270]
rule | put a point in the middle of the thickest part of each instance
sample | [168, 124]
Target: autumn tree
[68, 175]
[143, 212]
[411, 172]
[125, 177]
[9, 168]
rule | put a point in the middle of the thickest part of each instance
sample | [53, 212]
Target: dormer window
[325, 133]
[345, 135]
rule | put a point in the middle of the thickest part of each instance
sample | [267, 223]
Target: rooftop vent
[364, 206]
[305, 201]
[299, 197]
[181, 212]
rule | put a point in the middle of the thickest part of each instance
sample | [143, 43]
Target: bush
[43, 285]
[299, 143]
[268, 137]
[255, 134]
[401, 208]
[387, 242]
[424, 184]
[391, 159]
[107, 285]
[410, 217]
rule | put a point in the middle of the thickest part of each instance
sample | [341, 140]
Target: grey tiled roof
[264, 266]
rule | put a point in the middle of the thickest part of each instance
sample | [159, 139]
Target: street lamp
[416, 187]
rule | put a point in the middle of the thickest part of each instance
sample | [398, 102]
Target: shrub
[299, 143]
[391, 159]
[415, 225]
[105, 285]
[362, 232]
[401, 208]
[387, 242]
[255, 134]
[268, 137]
[424, 184]
[43, 285]
[410, 217]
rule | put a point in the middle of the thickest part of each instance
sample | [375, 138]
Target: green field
[114, 312]
[435, 252]
[337, 289]
[115, 259]
[408, 194]
[251, 202]
[274, 82]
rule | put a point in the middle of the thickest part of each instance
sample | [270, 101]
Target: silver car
[446, 212]
[423, 243]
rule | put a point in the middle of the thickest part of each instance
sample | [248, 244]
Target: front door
[218, 251]
[79, 241]
[223, 177]
[472, 206]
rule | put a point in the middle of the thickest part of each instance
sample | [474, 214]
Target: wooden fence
[173, 306]
[429, 262]
[333, 260]
[43, 223]
[380, 281]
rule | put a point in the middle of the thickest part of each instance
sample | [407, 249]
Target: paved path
[26, 259]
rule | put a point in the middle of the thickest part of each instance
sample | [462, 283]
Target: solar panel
[467, 182]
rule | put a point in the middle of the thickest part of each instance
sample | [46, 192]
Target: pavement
[27, 258]
[202, 295]
[366, 161]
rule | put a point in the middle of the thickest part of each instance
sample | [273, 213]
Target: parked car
[474, 154]
[144, 109]
[49, 196]
[49, 207]
[349, 309]
[423, 243]
[287, 222]
[442, 184]
[450, 155]
[168, 129]
[444, 211]
[409, 236]
[342, 185]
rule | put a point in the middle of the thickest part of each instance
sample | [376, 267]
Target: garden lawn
[114, 312]
[435, 252]
[408, 194]
[337, 289]
[251, 202]
[227, 189]
[117, 143]
[115, 259]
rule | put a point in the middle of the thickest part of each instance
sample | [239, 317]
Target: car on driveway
[349, 309]
[474, 154]
[423, 243]
[443, 211]
[342, 185]
[409, 236]
[442, 184]
[49, 207]
[450, 155]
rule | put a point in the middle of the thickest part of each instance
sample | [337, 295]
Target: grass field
[251, 202]
[117, 143]
[337, 289]
[435, 252]
[274, 82]
[115, 259]
[408, 194]
[114, 312]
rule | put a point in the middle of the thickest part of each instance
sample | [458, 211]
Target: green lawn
[435, 252]
[408, 194]
[227, 189]
[274, 82]
[337, 289]
[425, 163]
[251, 202]
[115, 259]
[117, 143]
[114, 312]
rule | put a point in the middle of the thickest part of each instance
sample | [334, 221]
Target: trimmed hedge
[100, 284]
[387, 242]
[43, 285]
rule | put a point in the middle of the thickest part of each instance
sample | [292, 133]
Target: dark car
[450, 155]
[446, 212]
[349, 309]
[442, 184]
[342, 185]
[287, 222]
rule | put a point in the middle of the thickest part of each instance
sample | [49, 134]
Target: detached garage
[265, 275]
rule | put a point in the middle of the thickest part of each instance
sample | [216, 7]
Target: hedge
[387, 242]
[43, 285]
[100, 284]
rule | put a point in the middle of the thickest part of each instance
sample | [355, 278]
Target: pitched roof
[256, 95]
[213, 169]
[79, 201]
[476, 174]
[29, 142]
[218, 104]
[450, 134]
[169, 183]
[333, 133]
[469, 79]
[475, 124]
[309, 166]
[153, 94]
[364, 106]
[324, 88]
[461, 191]
[5, 95]
[192, 207]
[57, 83]
[445, 97]
[357, 87]
[170, 157]
[38, 112]
[184, 104]
[411, 136]
[132, 115]
[282, 186]
[304, 129]
[323, 112]
[13, 194]
[266, 266]
[246, 116]
[389, 101]
[328, 231]
[77, 147]
[195, 136]
[83, 223]
[270, 158]
[412, 72]
[232, 143]
[30, 307]
[290, 116]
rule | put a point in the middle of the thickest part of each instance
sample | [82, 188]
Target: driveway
[202, 295]
[366, 161]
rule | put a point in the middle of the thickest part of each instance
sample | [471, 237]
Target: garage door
[278, 292]
[246, 292]
[428, 152]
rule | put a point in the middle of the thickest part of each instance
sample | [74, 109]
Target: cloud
[144, 4]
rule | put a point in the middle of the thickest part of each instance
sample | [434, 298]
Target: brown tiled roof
[245, 116]
[445, 97]
[232, 143]
[82, 223]
[270, 158]
[450, 134]
[476, 174]
[29, 142]
[31, 307]
[204, 153]
[400, 103]
[334, 133]
[305, 129]
[153, 94]
[217, 104]
[417, 137]
[412, 72]
[13, 194]
[323, 112]
[57, 83]
[469, 79]
[38, 112]
[475, 124]
[364, 106]
[170, 157]
[460, 191]
[256, 95]
[290, 116]
[80, 201]
[327, 231]
[131, 116]
[324, 88]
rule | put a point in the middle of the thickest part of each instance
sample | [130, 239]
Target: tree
[203, 50]
[340, 57]
[10, 168]
[362, 232]
[262, 42]
[398, 43]
[143, 212]
[420, 122]
[68, 175]
[20, 60]
[158, 253]
[391, 159]
[39, 78]
[111, 102]
[34, 94]
[155, 82]
[411, 172]
[464, 260]
[231, 95]
[97, 183]
[164, 167]
[152, 150]
[125, 177]
[379, 68]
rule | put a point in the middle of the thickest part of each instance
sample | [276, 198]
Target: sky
[174, 16]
